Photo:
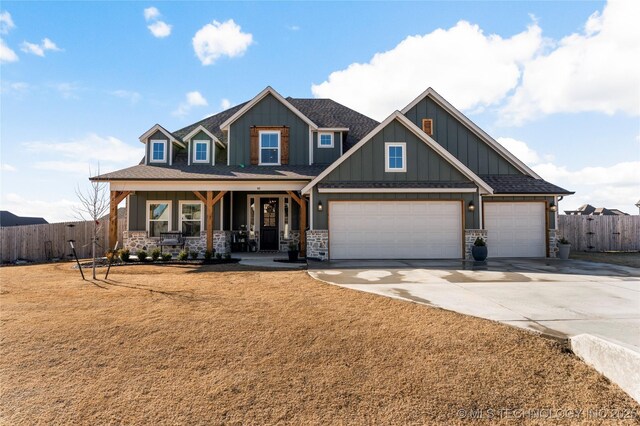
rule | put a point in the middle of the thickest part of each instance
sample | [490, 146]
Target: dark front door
[269, 224]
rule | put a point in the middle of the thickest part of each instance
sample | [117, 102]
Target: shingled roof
[211, 123]
[521, 184]
[397, 185]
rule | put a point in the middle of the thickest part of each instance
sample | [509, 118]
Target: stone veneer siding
[553, 243]
[318, 244]
[138, 240]
[470, 236]
[294, 237]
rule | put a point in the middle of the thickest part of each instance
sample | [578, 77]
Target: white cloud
[39, 49]
[160, 29]
[133, 97]
[220, 39]
[6, 23]
[151, 13]
[67, 90]
[463, 64]
[54, 210]
[6, 53]
[7, 167]
[294, 27]
[614, 186]
[225, 104]
[78, 155]
[192, 99]
[595, 70]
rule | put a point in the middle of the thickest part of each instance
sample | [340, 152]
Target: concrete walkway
[595, 306]
[267, 260]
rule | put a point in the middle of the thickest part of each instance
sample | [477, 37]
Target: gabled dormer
[269, 131]
[203, 147]
[160, 146]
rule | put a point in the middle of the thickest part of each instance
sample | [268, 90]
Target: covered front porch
[251, 219]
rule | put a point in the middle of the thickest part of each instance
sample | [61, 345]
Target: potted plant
[479, 249]
[293, 251]
[564, 247]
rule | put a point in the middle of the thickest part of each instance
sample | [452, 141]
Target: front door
[269, 224]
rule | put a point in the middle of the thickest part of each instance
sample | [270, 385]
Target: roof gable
[443, 153]
[201, 128]
[477, 131]
[267, 91]
[159, 128]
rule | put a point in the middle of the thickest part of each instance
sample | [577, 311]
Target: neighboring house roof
[9, 219]
[267, 91]
[207, 172]
[521, 184]
[327, 113]
[589, 210]
[421, 135]
[437, 98]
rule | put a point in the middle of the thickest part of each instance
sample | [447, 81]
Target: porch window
[158, 150]
[158, 217]
[201, 151]
[395, 160]
[269, 147]
[191, 218]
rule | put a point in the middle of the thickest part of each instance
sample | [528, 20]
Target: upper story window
[158, 150]
[269, 147]
[325, 140]
[200, 151]
[395, 157]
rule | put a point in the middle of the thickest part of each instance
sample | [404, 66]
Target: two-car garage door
[395, 229]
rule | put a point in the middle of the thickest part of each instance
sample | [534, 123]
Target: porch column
[303, 221]
[115, 198]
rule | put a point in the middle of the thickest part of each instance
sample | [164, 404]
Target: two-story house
[424, 183]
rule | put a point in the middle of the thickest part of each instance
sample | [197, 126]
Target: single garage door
[395, 230]
[515, 229]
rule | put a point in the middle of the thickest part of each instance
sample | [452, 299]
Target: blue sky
[558, 83]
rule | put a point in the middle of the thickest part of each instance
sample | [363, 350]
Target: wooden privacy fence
[601, 233]
[48, 241]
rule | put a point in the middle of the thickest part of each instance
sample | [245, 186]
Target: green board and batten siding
[368, 165]
[456, 138]
[326, 155]
[269, 112]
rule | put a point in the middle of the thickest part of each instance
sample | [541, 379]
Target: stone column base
[318, 244]
[222, 242]
[553, 243]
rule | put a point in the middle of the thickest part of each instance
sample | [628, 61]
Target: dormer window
[269, 147]
[201, 151]
[325, 140]
[395, 157]
[158, 151]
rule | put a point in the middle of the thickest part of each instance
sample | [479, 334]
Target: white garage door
[515, 229]
[395, 230]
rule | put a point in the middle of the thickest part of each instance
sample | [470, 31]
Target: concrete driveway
[558, 298]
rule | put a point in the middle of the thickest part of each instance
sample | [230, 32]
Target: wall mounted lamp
[319, 206]
[471, 206]
[552, 207]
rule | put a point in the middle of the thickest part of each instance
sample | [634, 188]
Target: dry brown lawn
[223, 345]
[617, 258]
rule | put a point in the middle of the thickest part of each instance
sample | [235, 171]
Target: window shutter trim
[284, 145]
[254, 149]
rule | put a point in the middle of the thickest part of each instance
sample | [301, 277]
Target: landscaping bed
[214, 344]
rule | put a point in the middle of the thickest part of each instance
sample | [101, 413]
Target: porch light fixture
[319, 206]
[552, 207]
[471, 206]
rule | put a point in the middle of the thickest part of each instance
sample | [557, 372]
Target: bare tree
[94, 203]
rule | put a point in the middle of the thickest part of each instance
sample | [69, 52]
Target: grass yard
[219, 344]
[617, 258]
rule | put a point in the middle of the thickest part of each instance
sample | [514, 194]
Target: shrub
[124, 255]
[208, 255]
[155, 254]
[183, 255]
[227, 256]
[479, 242]
[194, 255]
[142, 255]
[166, 257]
[218, 256]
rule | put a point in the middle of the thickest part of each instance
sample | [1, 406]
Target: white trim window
[201, 151]
[325, 140]
[191, 218]
[158, 150]
[395, 157]
[158, 217]
[269, 147]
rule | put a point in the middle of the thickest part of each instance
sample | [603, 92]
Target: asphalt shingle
[521, 184]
